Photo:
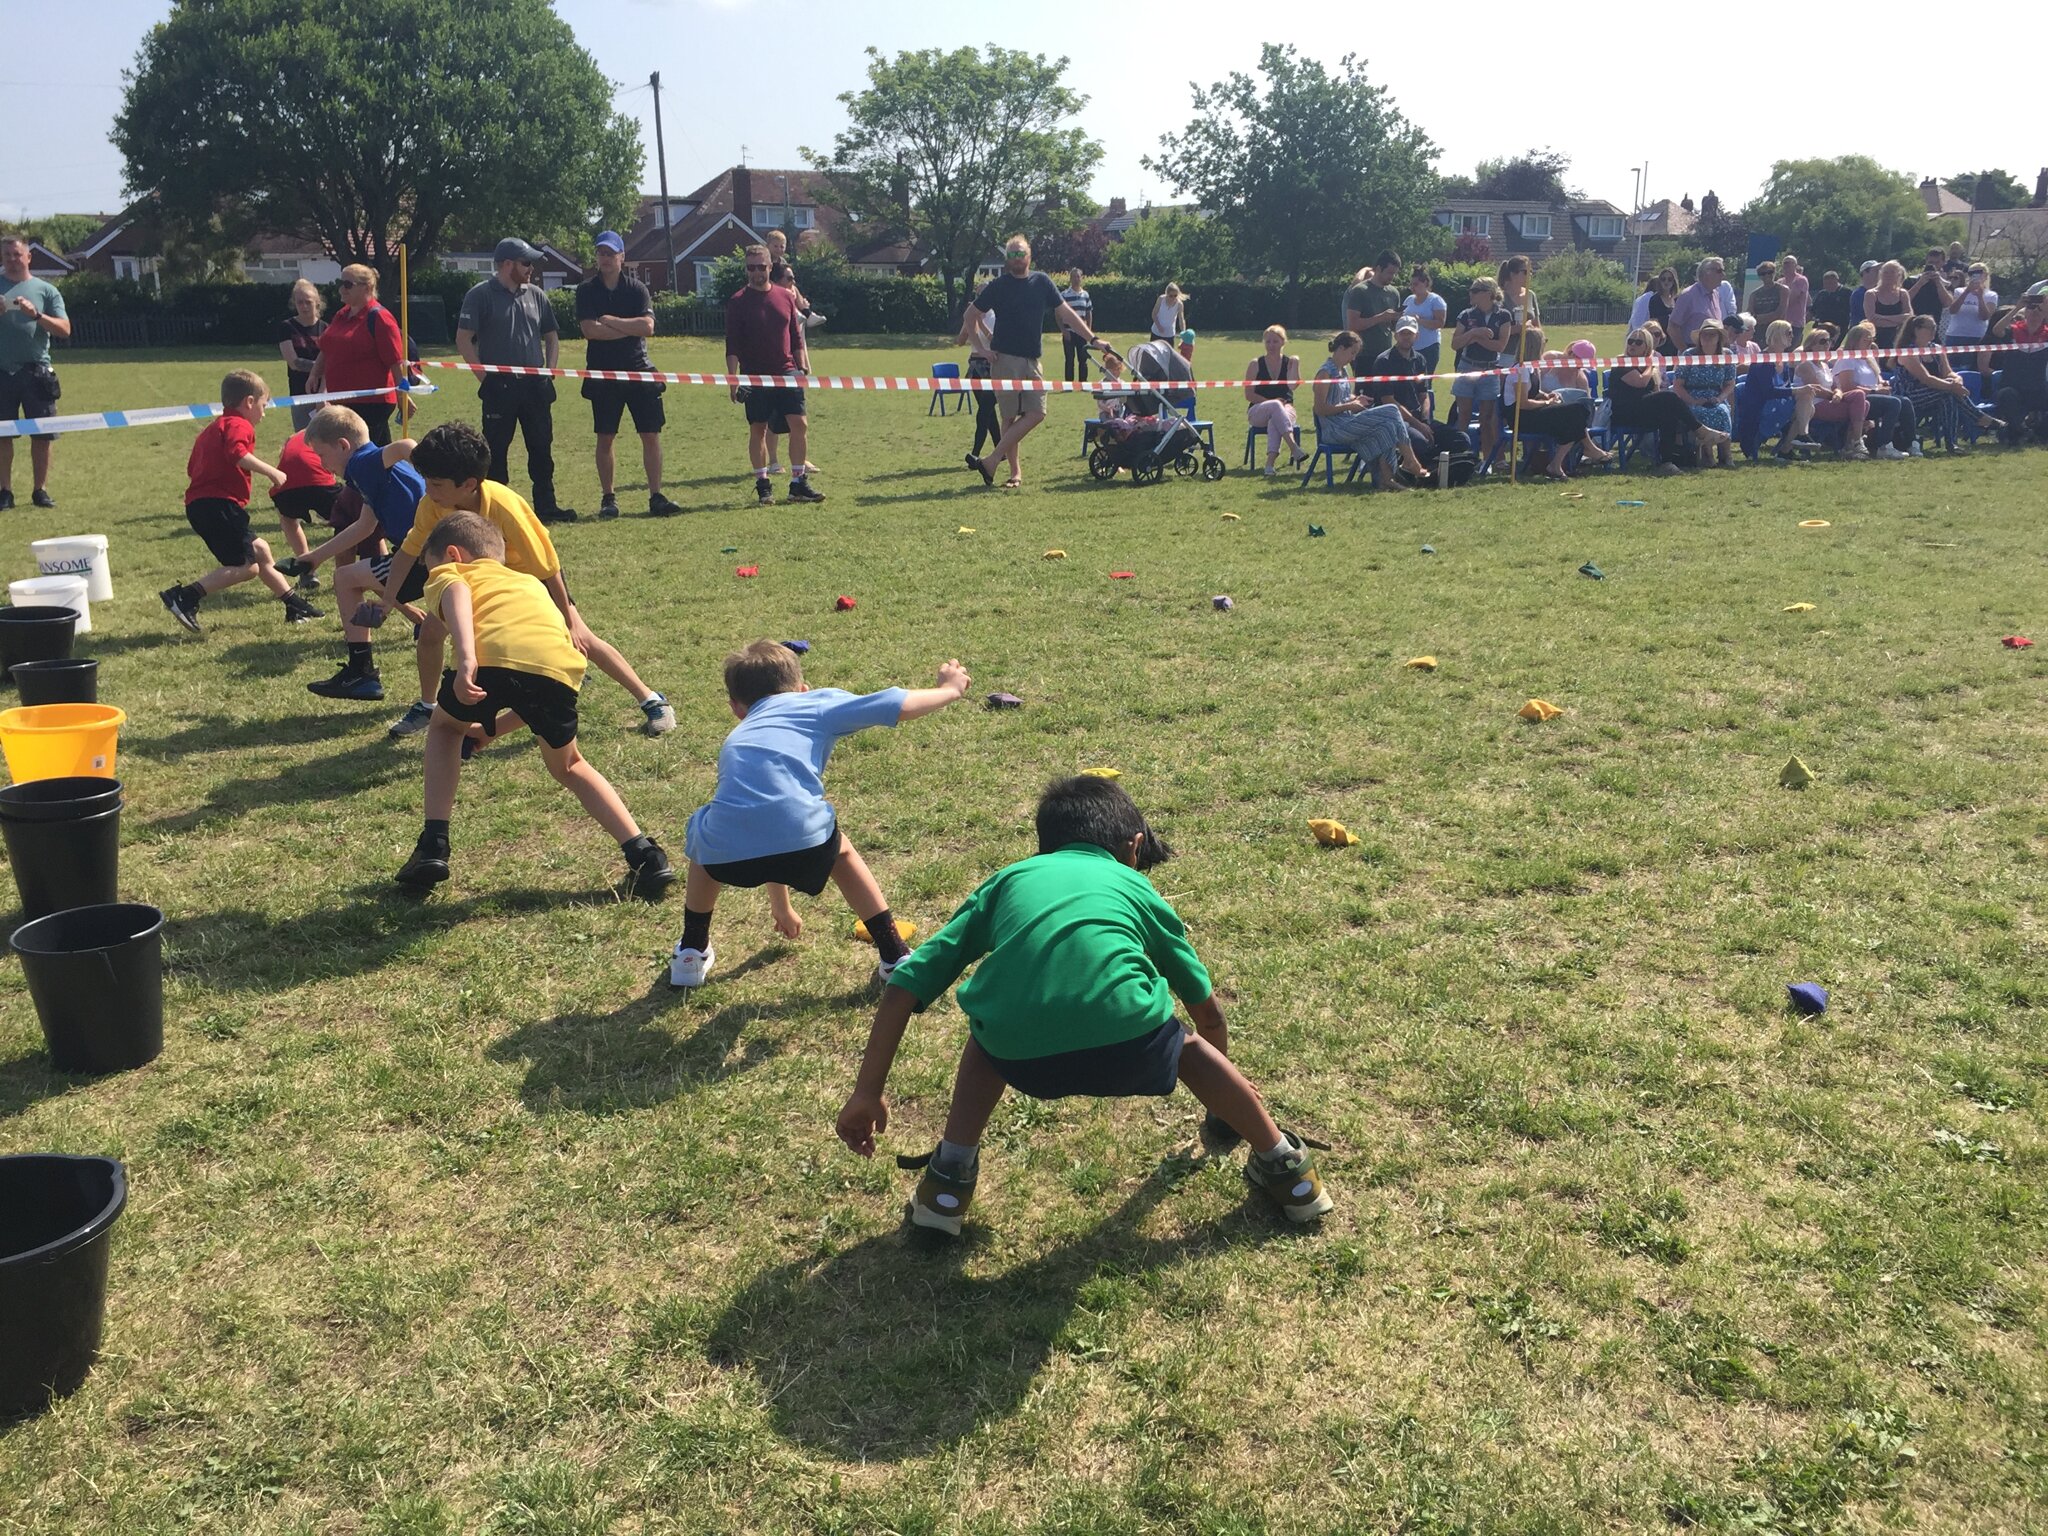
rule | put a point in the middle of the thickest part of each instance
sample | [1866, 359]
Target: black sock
[888, 942]
[193, 593]
[696, 929]
[360, 656]
[434, 835]
[636, 846]
[761, 485]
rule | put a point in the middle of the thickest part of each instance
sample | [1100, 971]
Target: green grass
[451, 1218]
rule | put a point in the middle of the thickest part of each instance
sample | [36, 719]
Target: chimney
[743, 195]
[1117, 209]
[2041, 188]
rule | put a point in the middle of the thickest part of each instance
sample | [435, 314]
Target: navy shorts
[306, 502]
[612, 398]
[224, 525]
[547, 707]
[807, 870]
[774, 406]
[415, 585]
[1145, 1067]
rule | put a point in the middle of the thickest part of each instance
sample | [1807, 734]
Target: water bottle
[1443, 471]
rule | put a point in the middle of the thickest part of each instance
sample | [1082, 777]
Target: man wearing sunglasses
[764, 333]
[2023, 396]
[1019, 299]
[507, 321]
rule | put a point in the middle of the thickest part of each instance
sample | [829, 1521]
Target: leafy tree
[1310, 173]
[1836, 213]
[382, 124]
[1472, 246]
[61, 232]
[1534, 176]
[1989, 189]
[1084, 246]
[1582, 277]
[1456, 186]
[958, 150]
[1170, 246]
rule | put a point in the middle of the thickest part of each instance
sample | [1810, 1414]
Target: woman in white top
[1169, 314]
[1431, 315]
[1970, 312]
[1893, 422]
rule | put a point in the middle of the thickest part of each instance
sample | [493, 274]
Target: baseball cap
[514, 249]
[1868, 266]
[1407, 323]
[608, 240]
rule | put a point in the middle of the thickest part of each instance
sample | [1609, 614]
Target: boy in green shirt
[1084, 960]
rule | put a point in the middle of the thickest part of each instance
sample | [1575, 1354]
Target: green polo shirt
[22, 340]
[1081, 951]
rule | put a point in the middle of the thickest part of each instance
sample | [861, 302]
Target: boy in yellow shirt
[452, 460]
[515, 664]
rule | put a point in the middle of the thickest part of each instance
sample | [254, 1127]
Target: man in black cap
[507, 320]
[616, 315]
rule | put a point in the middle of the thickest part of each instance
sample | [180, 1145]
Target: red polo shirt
[212, 471]
[764, 330]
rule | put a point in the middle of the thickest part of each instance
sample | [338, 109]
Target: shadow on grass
[263, 658]
[213, 736]
[633, 1057]
[99, 647]
[245, 950]
[28, 1080]
[890, 1350]
[374, 762]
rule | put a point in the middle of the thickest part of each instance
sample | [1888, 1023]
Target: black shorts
[415, 579]
[609, 399]
[306, 502]
[548, 707]
[225, 528]
[29, 392]
[807, 870]
[774, 406]
[1146, 1067]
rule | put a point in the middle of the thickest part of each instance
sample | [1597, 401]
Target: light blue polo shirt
[22, 340]
[771, 773]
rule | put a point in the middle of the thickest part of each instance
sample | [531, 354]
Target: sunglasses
[757, 266]
[348, 282]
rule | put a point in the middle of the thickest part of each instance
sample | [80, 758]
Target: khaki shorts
[1017, 402]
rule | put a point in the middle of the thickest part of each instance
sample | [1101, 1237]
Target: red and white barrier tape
[925, 385]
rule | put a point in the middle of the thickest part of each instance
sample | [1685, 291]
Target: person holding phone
[1972, 306]
[31, 313]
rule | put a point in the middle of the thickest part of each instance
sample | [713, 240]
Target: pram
[1148, 445]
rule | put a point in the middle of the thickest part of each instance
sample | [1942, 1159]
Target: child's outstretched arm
[250, 464]
[952, 688]
[866, 1114]
[347, 539]
[460, 617]
[399, 452]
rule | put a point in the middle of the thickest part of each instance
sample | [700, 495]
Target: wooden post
[404, 342]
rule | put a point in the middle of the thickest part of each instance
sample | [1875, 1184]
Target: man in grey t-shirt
[508, 320]
[31, 313]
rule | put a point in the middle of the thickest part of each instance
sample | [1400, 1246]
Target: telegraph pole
[668, 228]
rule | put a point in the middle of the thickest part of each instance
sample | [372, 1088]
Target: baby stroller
[1151, 440]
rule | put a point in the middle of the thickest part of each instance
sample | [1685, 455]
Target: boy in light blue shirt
[769, 822]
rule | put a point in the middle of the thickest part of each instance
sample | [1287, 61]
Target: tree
[1471, 247]
[1837, 213]
[1183, 248]
[383, 124]
[1989, 189]
[61, 232]
[958, 150]
[1060, 250]
[1310, 173]
[1534, 176]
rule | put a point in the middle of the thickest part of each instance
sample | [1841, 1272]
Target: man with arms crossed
[615, 312]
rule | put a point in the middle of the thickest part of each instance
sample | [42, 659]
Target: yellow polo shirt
[528, 548]
[518, 625]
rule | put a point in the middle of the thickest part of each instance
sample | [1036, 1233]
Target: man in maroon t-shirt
[764, 333]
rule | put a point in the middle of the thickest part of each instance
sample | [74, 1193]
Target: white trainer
[689, 967]
[1890, 451]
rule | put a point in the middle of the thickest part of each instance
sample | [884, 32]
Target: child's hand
[466, 690]
[413, 616]
[277, 477]
[863, 1119]
[579, 633]
[953, 675]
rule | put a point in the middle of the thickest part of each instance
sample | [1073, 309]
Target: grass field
[451, 1217]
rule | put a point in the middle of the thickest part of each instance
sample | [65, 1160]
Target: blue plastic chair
[1253, 434]
[960, 400]
[1185, 409]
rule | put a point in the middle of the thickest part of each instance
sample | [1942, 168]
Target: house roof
[1673, 219]
[731, 195]
[1942, 203]
[286, 245]
[119, 235]
[41, 259]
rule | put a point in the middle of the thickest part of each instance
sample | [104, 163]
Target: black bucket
[66, 680]
[75, 862]
[59, 799]
[97, 977]
[57, 1217]
[35, 633]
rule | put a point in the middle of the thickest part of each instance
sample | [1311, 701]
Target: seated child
[452, 461]
[217, 506]
[308, 492]
[514, 665]
[387, 490]
[769, 822]
[1560, 374]
[1084, 959]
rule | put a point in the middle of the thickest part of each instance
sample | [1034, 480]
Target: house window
[1605, 226]
[127, 269]
[1535, 226]
[767, 216]
[1474, 223]
[799, 218]
[703, 279]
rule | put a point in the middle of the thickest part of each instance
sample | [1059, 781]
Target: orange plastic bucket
[58, 741]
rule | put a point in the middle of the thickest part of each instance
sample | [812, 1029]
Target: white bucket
[83, 554]
[55, 592]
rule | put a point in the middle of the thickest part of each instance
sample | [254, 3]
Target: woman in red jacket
[362, 349]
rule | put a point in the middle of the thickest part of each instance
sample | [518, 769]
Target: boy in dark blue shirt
[391, 490]
[1019, 300]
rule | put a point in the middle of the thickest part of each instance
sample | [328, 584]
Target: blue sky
[768, 76]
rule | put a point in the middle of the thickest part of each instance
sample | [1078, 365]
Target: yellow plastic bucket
[59, 741]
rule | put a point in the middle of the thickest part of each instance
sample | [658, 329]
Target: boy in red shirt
[308, 492]
[217, 505]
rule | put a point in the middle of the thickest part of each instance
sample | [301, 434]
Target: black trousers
[377, 417]
[526, 406]
[1077, 357]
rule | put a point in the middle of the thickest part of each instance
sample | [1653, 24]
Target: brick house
[125, 247]
[733, 210]
[1523, 228]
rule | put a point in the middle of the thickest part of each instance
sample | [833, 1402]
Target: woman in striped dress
[1345, 420]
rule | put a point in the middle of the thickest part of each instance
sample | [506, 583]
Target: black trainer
[553, 514]
[42, 498]
[800, 490]
[179, 605]
[649, 873]
[423, 871]
[350, 682]
[608, 508]
[297, 610]
[659, 505]
[6, 501]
